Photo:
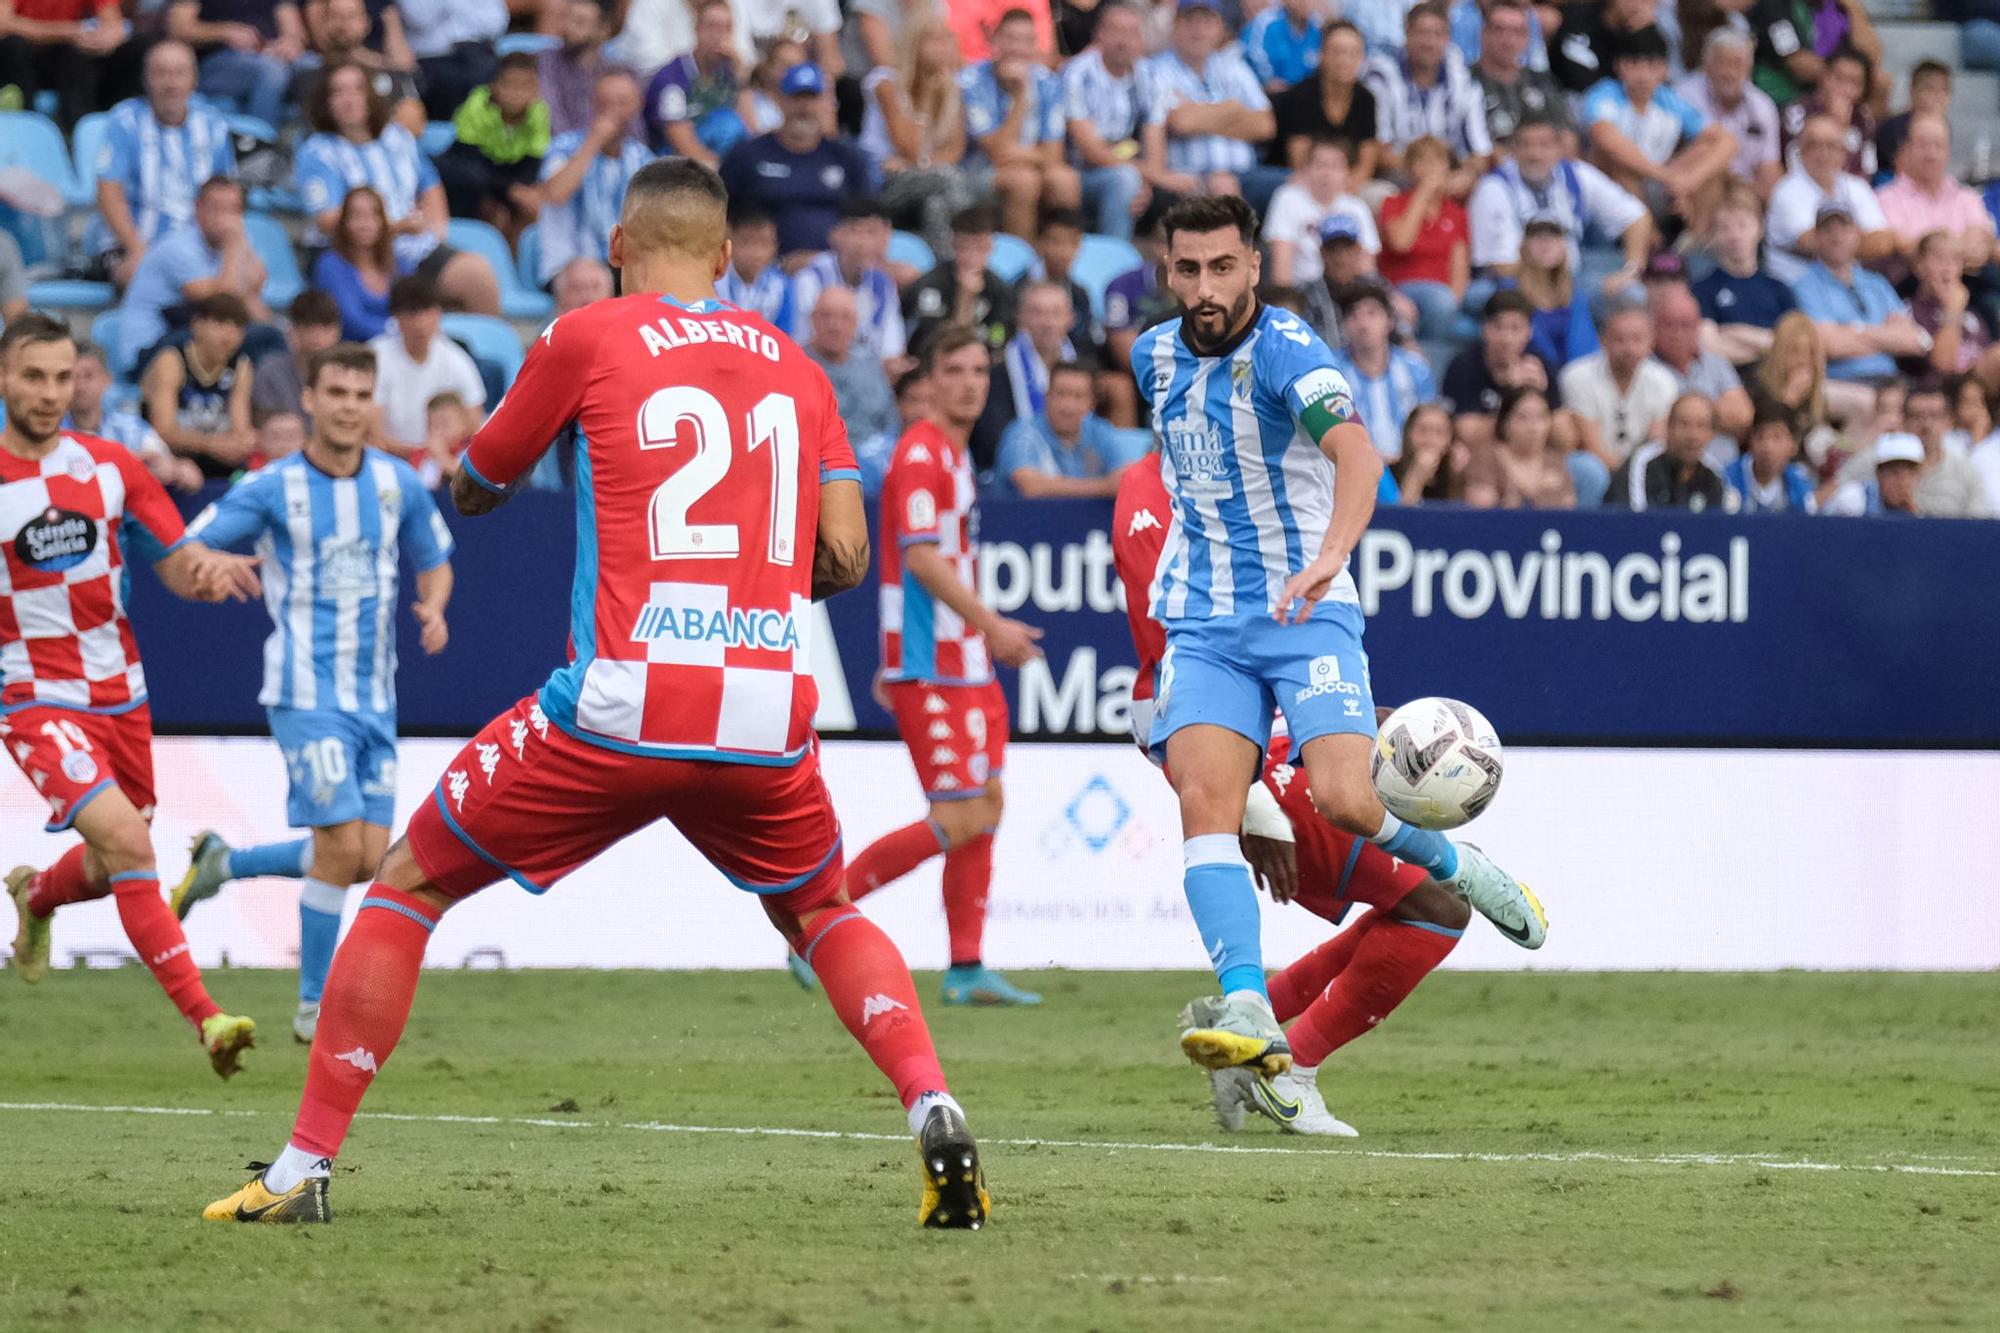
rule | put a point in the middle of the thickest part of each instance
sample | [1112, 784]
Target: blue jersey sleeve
[1602, 102]
[118, 158]
[427, 172]
[423, 533]
[1300, 370]
[240, 516]
[223, 160]
[315, 177]
[1020, 447]
[1691, 120]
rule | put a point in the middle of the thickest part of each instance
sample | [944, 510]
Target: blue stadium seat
[1098, 261]
[517, 300]
[909, 248]
[529, 253]
[85, 141]
[1012, 257]
[490, 339]
[106, 331]
[243, 123]
[273, 244]
[31, 141]
[438, 135]
[534, 43]
[70, 294]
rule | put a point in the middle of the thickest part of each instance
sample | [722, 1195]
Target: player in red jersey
[939, 644]
[716, 499]
[1343, 988]
[72, 693]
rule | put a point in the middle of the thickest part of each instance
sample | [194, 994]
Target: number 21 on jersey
[683, 415]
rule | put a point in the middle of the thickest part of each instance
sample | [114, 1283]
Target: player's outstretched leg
[212, 863]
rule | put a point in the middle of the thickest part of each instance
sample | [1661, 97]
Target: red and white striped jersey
[64, 638]
[929, 496]
[703, 436]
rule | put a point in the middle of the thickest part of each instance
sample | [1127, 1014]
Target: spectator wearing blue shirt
[1016, 127]
[1468, 25]
[1861, 321]
[585, 174]
[796, 174]
[353, 143]
[1103, 100]
[87, 413]
[189, 265]
[1768, 478]
[246, 48]
[1282, 43]
[359, 265]
[1065, 450]
[1650, 140]
[1206, 113]
[853, 260]
[157, 150]
[1387, 381]
[754, 279]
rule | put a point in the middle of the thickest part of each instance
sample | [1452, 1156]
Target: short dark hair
[313, 309]
[1015, 15]
[1931, 69]
[1541, 119]
[862, 208]
[1212, 212]
[949, 339]
[344, 356]
[910, 378]
[514, 60]
[747, 213]
[214, 183]
[1354, 294]
[31, 328]
[976, 220]
[1070, 367]
[1645, 43]
[1508, 302]
[413, 293]
[1770, 414]
[223, 308]
[676, 203]
[1510, 403]
[1433, 9]
[1068, 219]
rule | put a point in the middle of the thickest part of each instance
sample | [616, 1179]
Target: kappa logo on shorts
[457, 784]
[538, 720]
[944, 754]
[518, 733]
[1282, 776]
[22, 751]
[873, 1008]
[947, 782]
[940, 730]
[489, 759]
[935, 704]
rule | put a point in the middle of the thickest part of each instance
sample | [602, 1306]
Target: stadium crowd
[1617, 253]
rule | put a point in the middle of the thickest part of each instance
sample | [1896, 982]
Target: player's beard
[1232, 323]
[22, 423]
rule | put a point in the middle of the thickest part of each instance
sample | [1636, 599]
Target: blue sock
[284, 860]
[1419, 846]
[1224, 903]
[319, 929]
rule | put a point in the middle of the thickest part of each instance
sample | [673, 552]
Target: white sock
[293, 1165]
[922, 1110]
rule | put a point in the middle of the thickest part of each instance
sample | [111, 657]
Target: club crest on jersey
[79, 767]
[1239, 380]
[56, 539]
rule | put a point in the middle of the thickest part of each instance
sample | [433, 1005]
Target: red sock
[869, 986]
[892, 856]
[150, 925]
[1388, 963]
[65, 882]
[1304, 981]
[968, 874]
[361, 1015]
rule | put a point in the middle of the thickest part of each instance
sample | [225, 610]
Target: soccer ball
[1437, 763]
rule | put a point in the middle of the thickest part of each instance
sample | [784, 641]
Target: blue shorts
[342, 765]
[1233, 671]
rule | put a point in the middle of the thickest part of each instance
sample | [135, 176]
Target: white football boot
[1496, 895]
[1292, 1099]
[305, 1022]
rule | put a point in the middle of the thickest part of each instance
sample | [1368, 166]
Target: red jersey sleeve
[146, 501]
[1138, 534]
[542, 403]
[917, 478]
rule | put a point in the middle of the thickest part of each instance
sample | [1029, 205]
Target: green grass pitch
[1522, 1165]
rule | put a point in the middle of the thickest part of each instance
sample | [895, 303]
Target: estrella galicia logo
[56, 539]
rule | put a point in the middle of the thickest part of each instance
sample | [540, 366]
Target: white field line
[1768, 1161]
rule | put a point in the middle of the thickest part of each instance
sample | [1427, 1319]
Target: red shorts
[72, 756]
[527, 801]
[957, 734]
[1336, 868]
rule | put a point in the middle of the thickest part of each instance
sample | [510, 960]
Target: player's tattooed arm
[840, 553]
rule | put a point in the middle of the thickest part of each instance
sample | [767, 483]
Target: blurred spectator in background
[568, 73]
[913, 134]
[1670, 473]
[1058, 241]
[1947, 484]
[1136, 297]
[1941, 306]
[1533, 471]
[1650, 141]
[1815, 182]
[656, 32]
[1346, 263]
[913, 399]
[1563, 329]
[1741, 299]
[585, 174]
[1620, 394]
[1429, 467]
[1787, 62]
[191, 264]
[359, 265]
[1842, 97]
[1768, 478]
[1332, 104]
[448, 428]
[767, 90]
[698, 105]
[312, 326]
[1586, 48]
[1428, 93]
[816, 23]
[13, 280]
[453, 42]
[353, 143]
[197, 394]
[1509, 88]
[1971, 413]
[1065, 450]
[1014, 117]
[1281, 44]
[1299, 211]
[1207, 114]
[582, 281]
[1721, 92]
[352, 32]
[879, 28]
[72, 48]
[1677, 343]
[414, 363]
[1388, 381]
[157, 150]
[755, 280]
[1426, 248]
[88, 414]
[1930, 94]
[1884, 481]
[797, 174]
[964, 290]
[866, 403]
[1480, 376]
[246, 49]
[1472, 21]
[1924, 198]
[1791, 382]
[1541, 185]
[1021, 371]
[857, 246]
[1860, 319]
[1105, 110]
[490, 170]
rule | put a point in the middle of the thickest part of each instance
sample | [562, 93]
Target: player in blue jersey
[1273, 481]
[329, 524]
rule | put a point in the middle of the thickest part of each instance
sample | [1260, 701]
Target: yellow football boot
[304, 1202]
[31, 939]
[954, 1182]
[226, 1036]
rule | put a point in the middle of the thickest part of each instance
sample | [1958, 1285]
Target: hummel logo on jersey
[874, 1007]
[1289, 327]
[517, 731]
[361, 1058]
[1143, 521]
[457, 782]
[940, 730]
[489, 759]
[935, 704]
[944, 754]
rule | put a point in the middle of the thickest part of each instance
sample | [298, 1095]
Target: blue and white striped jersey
[878, 308]
[327, 166]
[329, 548]
[580, 227]
[159, 166]
[768, 294]
[1252, 492]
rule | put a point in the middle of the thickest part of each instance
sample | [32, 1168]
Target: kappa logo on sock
[872, 1008]
[169, 955]
[361, 1058]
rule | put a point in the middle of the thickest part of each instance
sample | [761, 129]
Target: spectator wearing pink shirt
[1923, 198]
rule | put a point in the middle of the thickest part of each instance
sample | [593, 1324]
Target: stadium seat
[273, 244]
[909, 248]
[528, 251]
[490, 339]
[85, 142]
[438, 135]
[1098, 261]
[106, 332]
[244, 123]
[517, 300]
[32, 142]
[1012, 257]
[70, 294]
[534, 43]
